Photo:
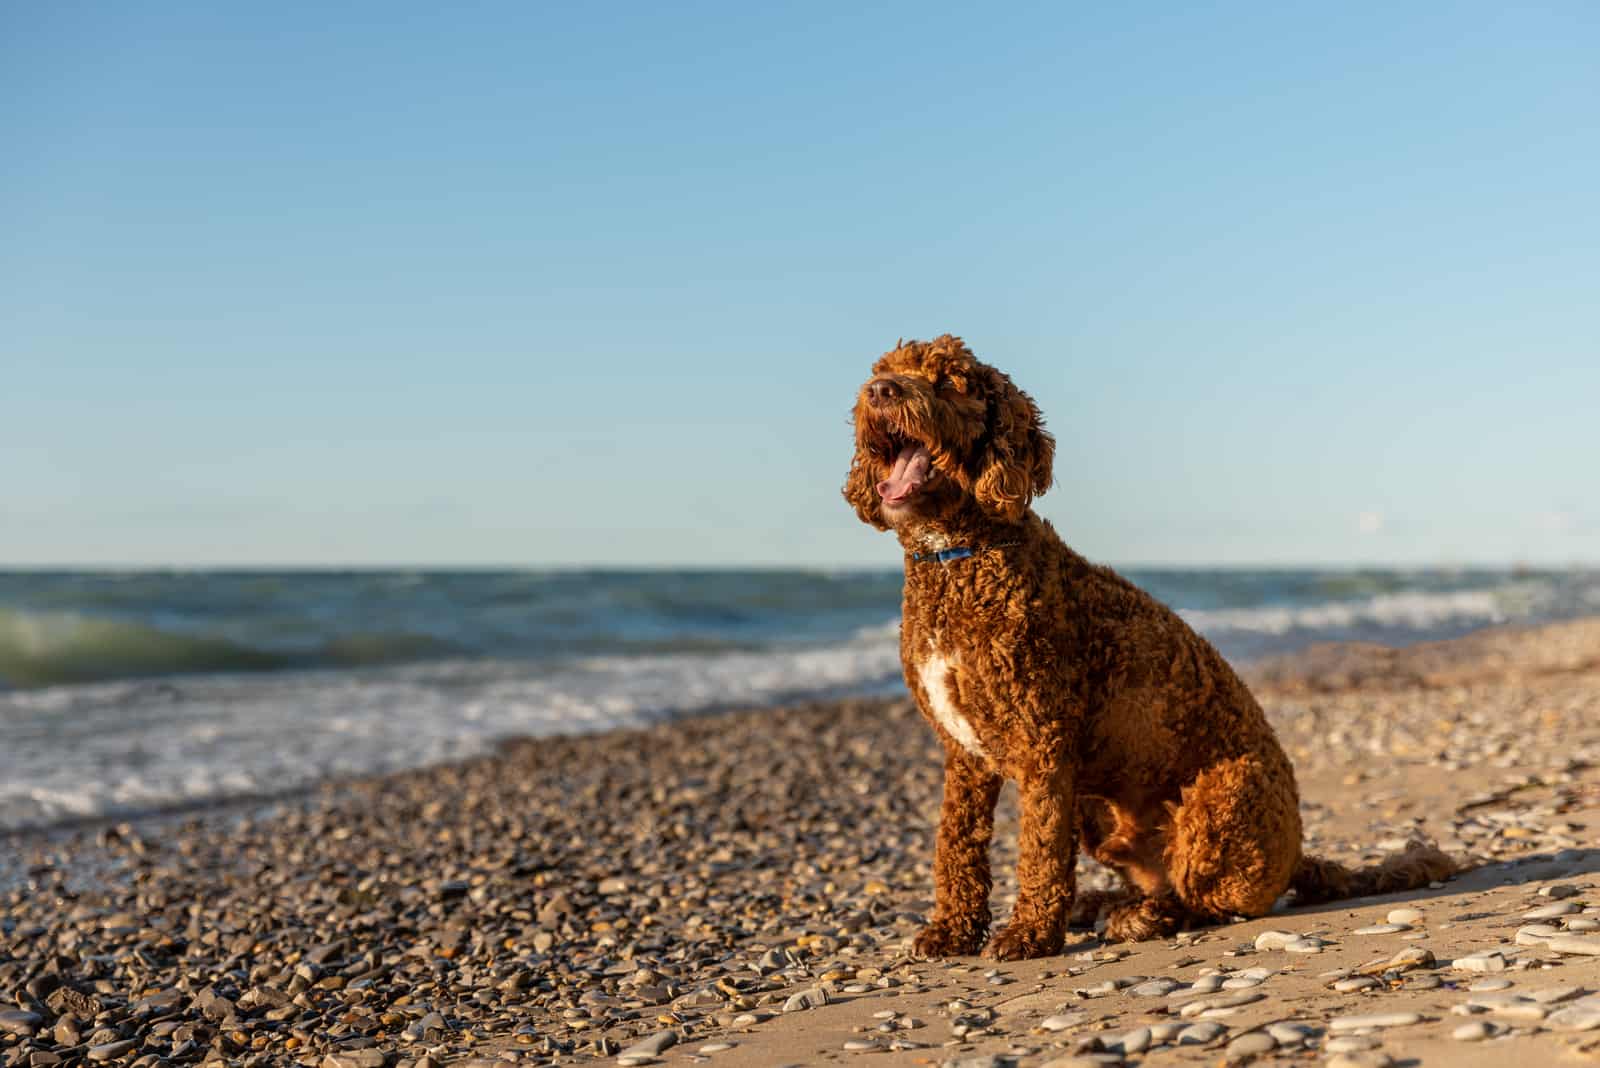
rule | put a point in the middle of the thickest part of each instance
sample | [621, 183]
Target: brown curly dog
[1119, 724]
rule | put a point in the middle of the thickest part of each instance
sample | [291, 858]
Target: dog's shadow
[1486, 875]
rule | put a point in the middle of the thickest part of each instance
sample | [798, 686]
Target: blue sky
[543, 284]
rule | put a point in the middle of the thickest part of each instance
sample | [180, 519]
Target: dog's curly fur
[1122, 727]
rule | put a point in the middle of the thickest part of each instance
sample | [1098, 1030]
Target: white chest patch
[934, 674]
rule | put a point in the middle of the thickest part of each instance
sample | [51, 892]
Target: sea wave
[54, 648]
[115, 748]
[1416, 611]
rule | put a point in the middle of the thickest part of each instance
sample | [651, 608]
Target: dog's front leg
[1046, 865]
[961, 878]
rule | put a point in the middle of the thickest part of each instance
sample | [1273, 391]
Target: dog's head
[937, 430]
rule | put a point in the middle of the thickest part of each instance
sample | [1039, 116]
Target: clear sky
[543, 284]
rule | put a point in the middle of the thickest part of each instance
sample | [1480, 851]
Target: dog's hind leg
[1134, 844]
[1235, 836]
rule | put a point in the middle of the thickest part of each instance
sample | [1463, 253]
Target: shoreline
[564, 897]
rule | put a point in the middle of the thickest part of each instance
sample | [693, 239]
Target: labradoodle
[1122, 727]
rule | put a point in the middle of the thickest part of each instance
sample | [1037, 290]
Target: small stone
[613, 885]
[863, 1045]
[1062, 1021]
[1136, 1041]
[1201, 1034]
[110, 1051]
[714, 1047]
[1222, 1005]
[1304, 945]
[1550, 912]
[1484, 986]
[1365, 1059]
[1350, 1043]
[356, 1058]
[1557, 891]
[1289, 1034]
[1575, 945]
[1382, 929]
[1355, 983]
[647, 1049]
[1536, 934]
[1476, 1031]
[1154, 988]
[1274, 939]
[812, 998]
[1491, 960]
[1374, 1020]
[1404, 915]
[1252, 1044]
[1554, 995]
[20, 1022]
[1574, 1018]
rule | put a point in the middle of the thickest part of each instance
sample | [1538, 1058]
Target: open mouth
[912, 470]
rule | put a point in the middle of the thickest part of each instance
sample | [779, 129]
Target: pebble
[1374, 1020]
[1404, 915]
[1559, 890]
[812, 998]
[1224, 1004]
[19, 1022]
[1536, 934]
[1136, 1041]
[1553, 995]
[1083, 1060]
[1350, 1043]
[1201, 1034]
[1365, 1059]
[1267, 940]
[1154, 988]
[1476, 1031]
[1574, 1018]
[1062, 1021]
[863, 1045]
[1581, 923]
[647, 1049]
[1243, 981]
[1491, 960]
[1483, 986]
[1382, 929]
[110, 1051]
[1304, 945]
[1250, 1045]
[715, 1047]
[1550, 912]
[1289, 1034]
[1575, 945]
[1355, 983]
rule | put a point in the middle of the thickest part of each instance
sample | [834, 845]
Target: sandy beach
[741, 889]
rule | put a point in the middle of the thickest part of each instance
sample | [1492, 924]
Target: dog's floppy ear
[861, 489]
[1016, 464]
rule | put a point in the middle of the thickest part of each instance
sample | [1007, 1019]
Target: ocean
[130, 692]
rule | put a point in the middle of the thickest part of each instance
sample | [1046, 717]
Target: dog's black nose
[881, 391]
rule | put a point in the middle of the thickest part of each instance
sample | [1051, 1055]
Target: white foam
[74, 751]
[1411, 610]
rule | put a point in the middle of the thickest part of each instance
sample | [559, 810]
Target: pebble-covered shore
[741, 889]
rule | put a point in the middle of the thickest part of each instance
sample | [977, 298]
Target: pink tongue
[911, 469]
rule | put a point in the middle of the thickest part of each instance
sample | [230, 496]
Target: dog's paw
[1142, 920]
[1019, 940]
[941, 939]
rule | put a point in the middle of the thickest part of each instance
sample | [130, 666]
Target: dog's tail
[1316, 880]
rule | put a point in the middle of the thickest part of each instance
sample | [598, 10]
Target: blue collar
[944, 556]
